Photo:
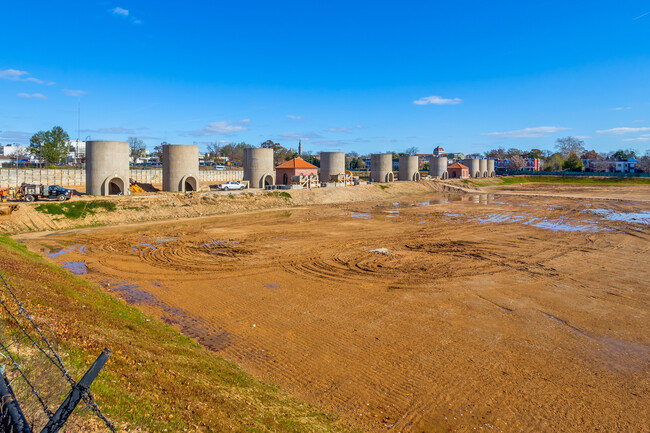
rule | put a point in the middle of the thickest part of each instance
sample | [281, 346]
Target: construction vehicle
[134, 188]
[29, 192]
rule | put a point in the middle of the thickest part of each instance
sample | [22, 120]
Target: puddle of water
[82, 249]
[396, 203]
[144, 246]
[194, 327]
[77, 268]
[164, 240]
[361, 215]
[425, 203]
[393, 213]
[640, 217]
[544, 223]
[56, 252]
[272, 286]
[218, 244]
[422, 222]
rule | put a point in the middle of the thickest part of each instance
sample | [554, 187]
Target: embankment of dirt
[168, 206]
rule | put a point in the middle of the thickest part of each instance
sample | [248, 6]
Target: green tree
[51, 146]
[573, 163]
[514, 151]
[555, 162]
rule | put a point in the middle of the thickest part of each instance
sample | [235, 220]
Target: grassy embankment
[156, 379]
[76, 210]
[595, 181]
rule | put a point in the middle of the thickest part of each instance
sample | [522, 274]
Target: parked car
[29, 192]
[219, 167]
[232, 185]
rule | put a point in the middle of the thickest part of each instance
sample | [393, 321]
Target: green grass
[384, 186]
[157, 379]
[285, 194]
[578, 179]
[76, 209]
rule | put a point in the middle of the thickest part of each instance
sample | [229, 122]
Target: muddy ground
[425, 313]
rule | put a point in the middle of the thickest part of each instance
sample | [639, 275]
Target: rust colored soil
[471, 313]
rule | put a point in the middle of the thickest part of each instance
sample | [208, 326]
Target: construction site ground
[403, 308]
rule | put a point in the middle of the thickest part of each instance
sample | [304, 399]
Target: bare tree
[411, 151]
[643, 164]
[568, 145]
[516, 162]
[600, 165]
[137, 149]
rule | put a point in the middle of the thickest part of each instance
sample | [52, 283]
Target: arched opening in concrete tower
[445, 175]
[492, 174]
[267, 180]
[416, 177]
[114, 186]
[390, 177]
[477, 174]
[189, 184]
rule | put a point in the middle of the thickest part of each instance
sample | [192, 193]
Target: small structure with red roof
[458, 171]
[295, 167]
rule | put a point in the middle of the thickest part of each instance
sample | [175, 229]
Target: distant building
[295, 167]
[608, 166]
[458, 171]
[438, 151]
[532, 164]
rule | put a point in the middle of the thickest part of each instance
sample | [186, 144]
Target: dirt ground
[428, 313]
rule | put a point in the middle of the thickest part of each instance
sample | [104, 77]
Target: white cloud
[16, 75]
[296, 118]
[644, 137]
[222, 127]
[32, 95]
[622, 108]
[126, 14]
[120, 11]
[71, 92]
[12, 74]
[344, 129]
[581, 137]
[537, 132]
[622, 130]
[437, 100]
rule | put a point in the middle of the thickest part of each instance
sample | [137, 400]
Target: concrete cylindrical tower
[474, 167]
[107, 167]
[258, 167]
[490, 168]
[331, 164]
[409, 168]
[381, 167]
[180, 167]
[438, 167]
[483, 167]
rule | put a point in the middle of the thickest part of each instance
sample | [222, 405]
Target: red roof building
[294, 167]
[457, 171]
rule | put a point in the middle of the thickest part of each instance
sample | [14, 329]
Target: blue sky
[368, 76]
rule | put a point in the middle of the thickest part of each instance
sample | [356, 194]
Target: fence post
[66, 409]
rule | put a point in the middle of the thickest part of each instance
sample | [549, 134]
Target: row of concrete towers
[107, 167]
